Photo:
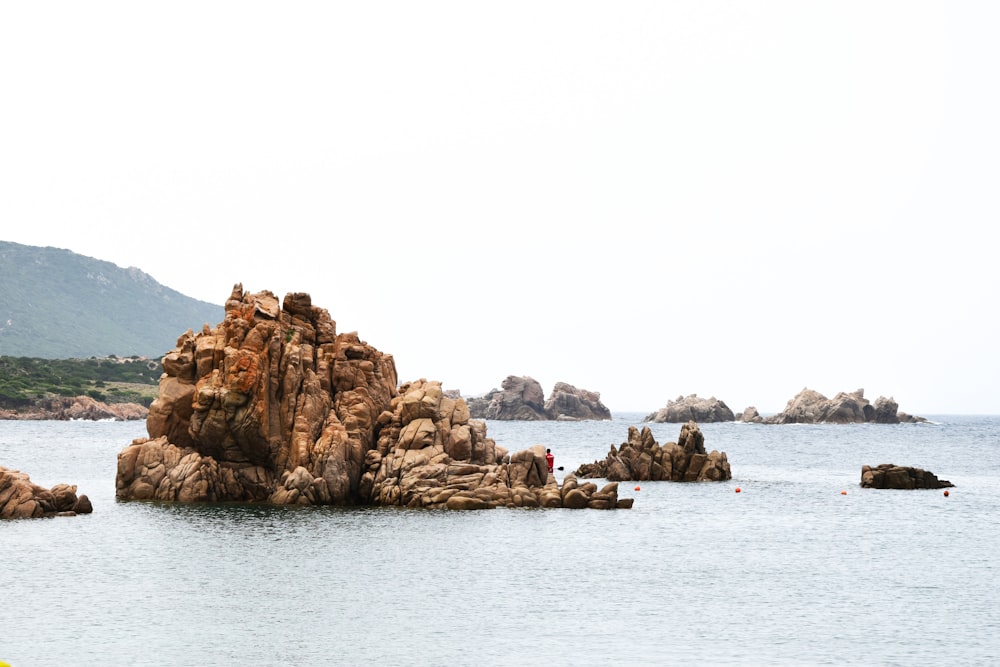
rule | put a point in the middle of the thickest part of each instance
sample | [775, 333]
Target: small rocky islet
[806, 407]
[642, 458]
[521, 398]
[20, 498]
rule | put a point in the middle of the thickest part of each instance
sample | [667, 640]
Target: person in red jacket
[549, 459]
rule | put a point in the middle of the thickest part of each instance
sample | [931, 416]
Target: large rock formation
[812, 407]
[692, 408]
[21, 499]
[67, 408]
[889, 476]
[642, 458]
[522, 399]
[273, 405]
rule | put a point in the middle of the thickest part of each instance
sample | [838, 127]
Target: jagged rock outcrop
[21, 499]
[642, 458]
[811, 407]
[522, 399]
[431, 454]
[750, 416]
[889, 476]
[692, 408]
[65, 408]
[272, 405]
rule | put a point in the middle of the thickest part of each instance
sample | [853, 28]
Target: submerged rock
[642, 458]
[273, 405]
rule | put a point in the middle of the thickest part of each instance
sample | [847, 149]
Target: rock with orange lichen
[273, 405]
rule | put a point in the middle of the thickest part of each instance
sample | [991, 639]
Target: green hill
[25, 381]
[56, 304]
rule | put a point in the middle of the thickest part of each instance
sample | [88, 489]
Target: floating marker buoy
[738, 489]
[843, 493]
[637, 488]
[946, 493]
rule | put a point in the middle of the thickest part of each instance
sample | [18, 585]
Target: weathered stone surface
[272, 405]
[642, 458]
[692, 408]
[21, 499]
[811, 407]
[522, 399]
[66, 408]
[889, 476]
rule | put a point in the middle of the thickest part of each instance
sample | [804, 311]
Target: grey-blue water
[787, 572]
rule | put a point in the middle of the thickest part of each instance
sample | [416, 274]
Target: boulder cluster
[811, 407]
[642, 458]
[273, 405]
[522, 399]
[889, 476]
[21, 499]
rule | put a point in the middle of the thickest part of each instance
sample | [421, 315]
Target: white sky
[645, 199]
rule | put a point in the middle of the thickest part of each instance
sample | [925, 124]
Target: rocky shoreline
[74, 409]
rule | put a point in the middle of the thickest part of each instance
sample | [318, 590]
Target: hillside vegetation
[56, 304]
[25, 380]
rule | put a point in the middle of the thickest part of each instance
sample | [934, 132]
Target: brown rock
[273, 405]
[889, 476]
[692, 408]
[812, 407]
[21, 499]
[522, 399]
[642, 458]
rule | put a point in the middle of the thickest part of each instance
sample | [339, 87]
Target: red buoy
[843, 493]
[946, 493]
[637, 488]
[738, 489]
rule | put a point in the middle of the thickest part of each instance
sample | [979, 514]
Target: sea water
[789, 571]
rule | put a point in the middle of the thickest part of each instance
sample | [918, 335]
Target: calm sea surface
[787, 572]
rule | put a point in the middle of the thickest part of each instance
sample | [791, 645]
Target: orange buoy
[637, 488]
[946, 493]
[843, 493]
[738, 489]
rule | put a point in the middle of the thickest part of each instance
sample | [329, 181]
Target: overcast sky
[644, 199]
